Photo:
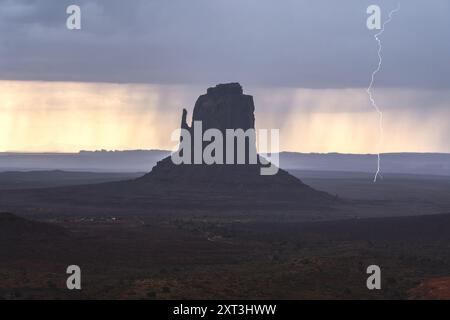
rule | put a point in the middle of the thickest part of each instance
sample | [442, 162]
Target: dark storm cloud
[314, 44]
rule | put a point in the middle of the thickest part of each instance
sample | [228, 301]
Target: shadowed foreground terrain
[192, 258]
[145, 252]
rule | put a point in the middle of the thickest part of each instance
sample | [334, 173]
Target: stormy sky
[313, 44]
[307, 60]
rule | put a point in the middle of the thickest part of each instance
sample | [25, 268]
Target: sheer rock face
[225, 107]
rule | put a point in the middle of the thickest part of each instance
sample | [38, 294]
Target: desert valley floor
[401, 224]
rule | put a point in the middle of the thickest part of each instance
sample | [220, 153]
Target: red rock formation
[226, 107]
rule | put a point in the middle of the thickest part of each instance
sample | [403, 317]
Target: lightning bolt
[370, 94]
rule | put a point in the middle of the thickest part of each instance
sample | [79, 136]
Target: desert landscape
[224, 232]
[217, 253]
[225, 155]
